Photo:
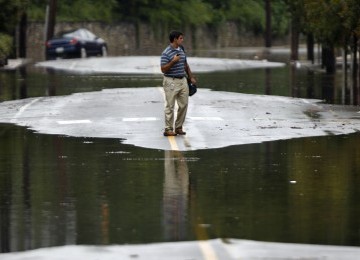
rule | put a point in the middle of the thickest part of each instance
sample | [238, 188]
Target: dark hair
[174, 35]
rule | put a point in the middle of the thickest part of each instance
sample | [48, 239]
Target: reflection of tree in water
[176, 190]
[23, 83]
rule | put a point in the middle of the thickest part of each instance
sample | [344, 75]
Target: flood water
[59, 190]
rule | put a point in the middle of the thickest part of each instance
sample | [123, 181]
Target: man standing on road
[175, 68]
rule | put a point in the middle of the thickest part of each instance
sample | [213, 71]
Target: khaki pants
[175, 90]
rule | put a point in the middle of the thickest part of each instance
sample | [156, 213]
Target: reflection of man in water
[176, 189]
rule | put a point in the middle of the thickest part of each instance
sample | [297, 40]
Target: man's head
[174, 35]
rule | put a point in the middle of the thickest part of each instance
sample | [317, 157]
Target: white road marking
[205, 118]
[70, 122]
[22, 109]
[305, 101]
[72, 66]
[139, 119]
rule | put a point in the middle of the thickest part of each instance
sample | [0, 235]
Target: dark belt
[175, 77]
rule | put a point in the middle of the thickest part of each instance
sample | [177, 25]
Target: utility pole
[22, 35]
[51, 19]
[268, 36]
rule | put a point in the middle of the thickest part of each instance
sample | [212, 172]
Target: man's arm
[189, 73]
[165, 68]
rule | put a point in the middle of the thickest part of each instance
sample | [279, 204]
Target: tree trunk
[328, 55]
[294, 39]
[355, 61]
[310, 47]
[355, 75]
[22, 35]
[268, 36]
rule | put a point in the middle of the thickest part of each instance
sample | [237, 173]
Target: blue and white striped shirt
[178, 69]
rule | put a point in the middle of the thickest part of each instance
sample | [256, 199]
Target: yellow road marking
[207, 250]
[173, 143]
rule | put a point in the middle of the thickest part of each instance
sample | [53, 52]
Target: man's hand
[193, 80]
[176, 58]
[166, 67]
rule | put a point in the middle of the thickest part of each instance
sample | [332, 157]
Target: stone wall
[125, 39]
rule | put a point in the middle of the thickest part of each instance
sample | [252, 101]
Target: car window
[81, 34]
[88, 35]
[72, 34]
[91, 35]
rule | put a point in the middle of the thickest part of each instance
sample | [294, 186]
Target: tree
[334, 23]
[268, 37]
[75, 10]
[10, 15]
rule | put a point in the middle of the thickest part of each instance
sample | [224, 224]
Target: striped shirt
[178, 69]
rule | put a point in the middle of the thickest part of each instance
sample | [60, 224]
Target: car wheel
[104, 51]
[83, 53]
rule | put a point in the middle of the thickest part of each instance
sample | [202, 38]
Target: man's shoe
[179, 131]
[169, 133]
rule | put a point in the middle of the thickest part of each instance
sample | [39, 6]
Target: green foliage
[330, 21]
[9, 14]
[333, 21]
[36, 10]
[75, 10]
[322, 20]
[172, 12]
[248, 13]
[196, 12]
[5, 45]
[86, 10]
[280, 18]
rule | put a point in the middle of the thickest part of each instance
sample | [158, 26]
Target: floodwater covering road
[96, 178]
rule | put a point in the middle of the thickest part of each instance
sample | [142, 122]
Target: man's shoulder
[167, 50]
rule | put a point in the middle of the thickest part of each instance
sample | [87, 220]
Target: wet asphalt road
[216, 249]
[215, 119]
